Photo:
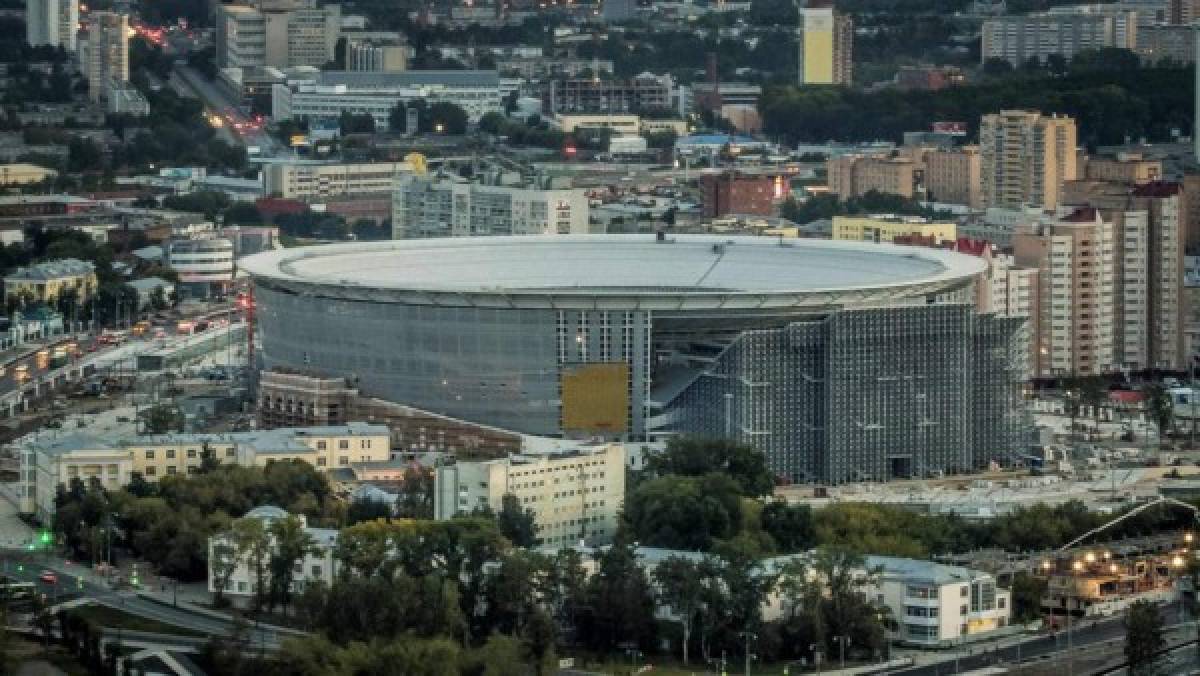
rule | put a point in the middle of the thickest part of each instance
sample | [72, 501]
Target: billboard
[595, 398]
[955, 128]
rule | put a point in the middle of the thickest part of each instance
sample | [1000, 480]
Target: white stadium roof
[615, 270]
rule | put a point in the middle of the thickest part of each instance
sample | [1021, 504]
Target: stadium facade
[840, 360]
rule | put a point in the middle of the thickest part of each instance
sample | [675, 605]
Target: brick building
[734, 193]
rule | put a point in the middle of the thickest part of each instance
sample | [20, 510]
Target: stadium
[832, 357]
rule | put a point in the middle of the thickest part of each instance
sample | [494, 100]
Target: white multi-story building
[318, 565]
[450, 207]
[202, 264]
[1064, 32]
[282, 37]
[52, 22]
[125, 98]
[107, 61]
[328, 94]
[305, 180]
[937, 605]
[575, 493]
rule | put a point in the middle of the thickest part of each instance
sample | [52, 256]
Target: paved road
[218, 102]
[980, 655]
[69, 586]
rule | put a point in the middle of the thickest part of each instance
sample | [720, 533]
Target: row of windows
[230, 452]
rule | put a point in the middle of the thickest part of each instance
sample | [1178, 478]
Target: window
[191, 452]
[316, 571]
[151, 471]
[170, 454]
[343, 444]
[170, 469]
[321, 462]
[343, 460]
[230, 452]
[320, 445]
[149, 455]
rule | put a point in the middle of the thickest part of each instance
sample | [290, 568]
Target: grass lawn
[115, 618]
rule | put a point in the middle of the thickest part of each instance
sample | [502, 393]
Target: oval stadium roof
[587, 270]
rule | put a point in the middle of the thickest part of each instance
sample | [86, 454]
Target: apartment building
[887, 227]
[308, 180]
[1149, 224]
[954, 176]
[575, 491]
[1025, 158]
[52, 22]
[592, 95]
[328, 94]
[319, 563]
[1166, 43]
[452, 207]
[1074, 327]
[1006, 289]
[856, 175]
[825, 45]
[47, 463]
[256, 37]
[45, 282]
[1065, 33]
[107, 58]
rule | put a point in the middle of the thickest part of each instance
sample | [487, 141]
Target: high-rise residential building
[575, 493]
[52, 22]
[1019, 39]
[825, 45]
[1026, 157]
[1149, 228]
[1074, 326]
[954, 175]
[281, 37]
[107, 62]
[1166, 43]
[449, 207]
[856, 175]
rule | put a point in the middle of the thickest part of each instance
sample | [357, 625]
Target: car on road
[48, 577]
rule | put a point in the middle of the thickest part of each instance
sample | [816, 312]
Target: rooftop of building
[63, 267]
[918, 570]
[71, 444]
[378, 80]
[704, 268]
[278, 438]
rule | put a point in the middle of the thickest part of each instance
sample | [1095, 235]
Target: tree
[790, 526]
[1143, 637]
[367, 509]
[291, 543]
[223, 562]
[679, 512]
[162, 419]
[681, 588]
[1160, 408]
[696, 457]
[443, 117]
[252, 542]
[620, 606]
[1027, 592]
[515, 523]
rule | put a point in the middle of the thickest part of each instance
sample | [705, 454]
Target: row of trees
[1109, 100]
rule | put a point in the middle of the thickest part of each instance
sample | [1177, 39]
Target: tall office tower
[278, 35]
[1073, 326]
[52, 22]
[1027, 156]
[107, 62]
[825, 43]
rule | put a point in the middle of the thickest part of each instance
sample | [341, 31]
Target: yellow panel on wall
[595, 398]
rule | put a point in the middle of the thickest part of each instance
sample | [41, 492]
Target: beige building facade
[1074, 326]
[107, 61]
[1026, 157]
[954, 176]
[575, 493]
[856, 175]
